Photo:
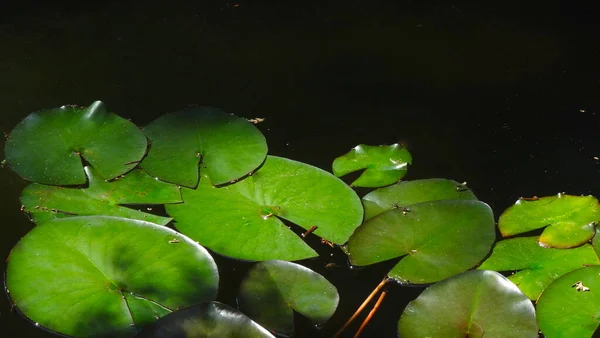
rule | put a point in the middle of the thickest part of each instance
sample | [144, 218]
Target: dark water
[503, 96]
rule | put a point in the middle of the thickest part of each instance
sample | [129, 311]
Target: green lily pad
[538, 266]
[228, 146]
[207, 319]
[570, 306]
[569, 220]
[242, 220]
[383, 165]
[405, 193]
[436, 239]
[90, 276]
[273, 290]
[44, 202]
[47, 146]
[472, 304]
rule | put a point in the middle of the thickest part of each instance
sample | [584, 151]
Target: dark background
[502, 95]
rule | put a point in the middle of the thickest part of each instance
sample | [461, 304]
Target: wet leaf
[242, 220]
[472, 304]
[383, 165]
[90, 276]
[273, 290]
[229, 147]
[405, 193]
[44, 202]
[565, 310]
[47, 146]
[207, 319]
[435, 239]
[538, 266]
[569, 220]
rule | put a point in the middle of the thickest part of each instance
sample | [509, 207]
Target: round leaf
[570, 306]
[207, 319]
[47, 146]
[569, 220]
[405, 193]
[44, 202]
[472, 304]
[230, 147]
[383, 165]
[273, 290]
[242, 220]
[538, 266]
[109, 276]
[438, 239]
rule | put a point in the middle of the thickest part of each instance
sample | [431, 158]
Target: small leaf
[405, 193]
[44, 202]
[538, 266]
[106, 276]
[569, 220]
[383, 165]
[47, 146]
[566, 311]
[242, 220]
[472, 304]
[207, 319]
[273, 290]
[438, 239]
[228, 146]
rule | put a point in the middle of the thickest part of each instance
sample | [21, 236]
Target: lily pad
[472, 304]
[569, 220]
[405, 193]
[383, 165]
[228, 146]
[273, 290]
[47, 146]
[570, 306]
[207, 319]
[538, 266]
[90, 276]
[44, 202]
[242, 220]
[436, 239]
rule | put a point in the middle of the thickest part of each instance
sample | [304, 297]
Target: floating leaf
[570, 220]
[44, 202]
[47, 146]
[242, 220]
[438, 239]
[106, 276]
[383, 165]
[207, 319]
[273, 290]
[570, 306]
[228, 146]
[411, 192]
[472, 304]
[538, 266]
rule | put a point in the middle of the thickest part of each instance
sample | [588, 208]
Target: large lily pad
[383, 165]
[207, 319]
[228, 146]
[106, 276]
[472, 304]
[436, 239]
[570, 306]
[47, 146]
[405, 193]
[569, 220]
[538, 266]
[273, 290]
[242, 220]
[44, 202]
